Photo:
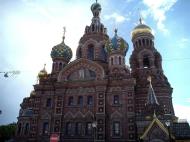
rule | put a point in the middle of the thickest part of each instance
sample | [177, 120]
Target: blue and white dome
[117, 44]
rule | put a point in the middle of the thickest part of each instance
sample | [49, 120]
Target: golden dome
[43, 73]
[141, 29]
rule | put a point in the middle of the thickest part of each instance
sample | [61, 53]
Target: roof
[181, 130]
[159, 124]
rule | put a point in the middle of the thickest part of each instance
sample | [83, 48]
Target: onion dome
[33, 93]
[43, 73]
[62, 51]
[117, 44]
[96, 8]
[141, 29]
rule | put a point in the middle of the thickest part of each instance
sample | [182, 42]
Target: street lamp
[168, 126]
[94, 125]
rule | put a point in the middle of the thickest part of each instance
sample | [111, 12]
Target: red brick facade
[97, 97]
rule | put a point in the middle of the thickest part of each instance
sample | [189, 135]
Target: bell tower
[146, 61]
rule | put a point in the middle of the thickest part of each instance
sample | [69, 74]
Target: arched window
[19, 129]
[143, 41]
[56, 66]
[93, 28]
[103, 53]
[111, 61]
[48, 102]
[139, 42]
[116, 128]
[79, 128]
[26, 129]
[60, 66]
[45, 128]
[88, 128]
[90, 54]
[150, 42]
[119, 60]
[70, 129]
[147, 42]
[79, 53]
[146, 62]
[136, 44]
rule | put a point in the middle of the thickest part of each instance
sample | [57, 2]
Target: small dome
[33, 93]
[43, 73]
[96, 6]
[62, 51]
[141, 29]
[117, 44]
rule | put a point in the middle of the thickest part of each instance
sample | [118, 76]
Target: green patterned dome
[62, 51]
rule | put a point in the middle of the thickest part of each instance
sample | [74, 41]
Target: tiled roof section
[181, 130]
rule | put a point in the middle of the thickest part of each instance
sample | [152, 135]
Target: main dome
[62, 51]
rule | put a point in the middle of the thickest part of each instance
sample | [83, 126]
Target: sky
[30, 28]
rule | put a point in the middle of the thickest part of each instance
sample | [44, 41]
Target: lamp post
[168, 127]
[94, 125]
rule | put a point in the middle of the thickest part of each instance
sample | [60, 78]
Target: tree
[7, 131]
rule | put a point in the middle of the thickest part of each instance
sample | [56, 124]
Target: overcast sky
[30, 28]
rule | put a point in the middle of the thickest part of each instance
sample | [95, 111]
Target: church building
[97, 97]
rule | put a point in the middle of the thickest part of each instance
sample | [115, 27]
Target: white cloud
[181, 111]
[116, 17]
[158, 10]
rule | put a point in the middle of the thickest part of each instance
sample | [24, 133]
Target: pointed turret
[152, 105]
[151, 98]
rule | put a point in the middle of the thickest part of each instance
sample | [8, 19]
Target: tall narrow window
[111, 61]
[88, 128]
[70, 128]
[45, 128]
[26, 129]
[48, 102]
[116, 99]
[60, 66]
[103, 53]
[79, 128]
[80, 53]
[89, 100]
[119, 60]
[116, 128]
[143, 41]
[70, 101]
[90, 54]
[19, 129]
[80, 100]
[139, 42]
[146, 62]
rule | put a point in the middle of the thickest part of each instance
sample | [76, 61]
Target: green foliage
[7, 131]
